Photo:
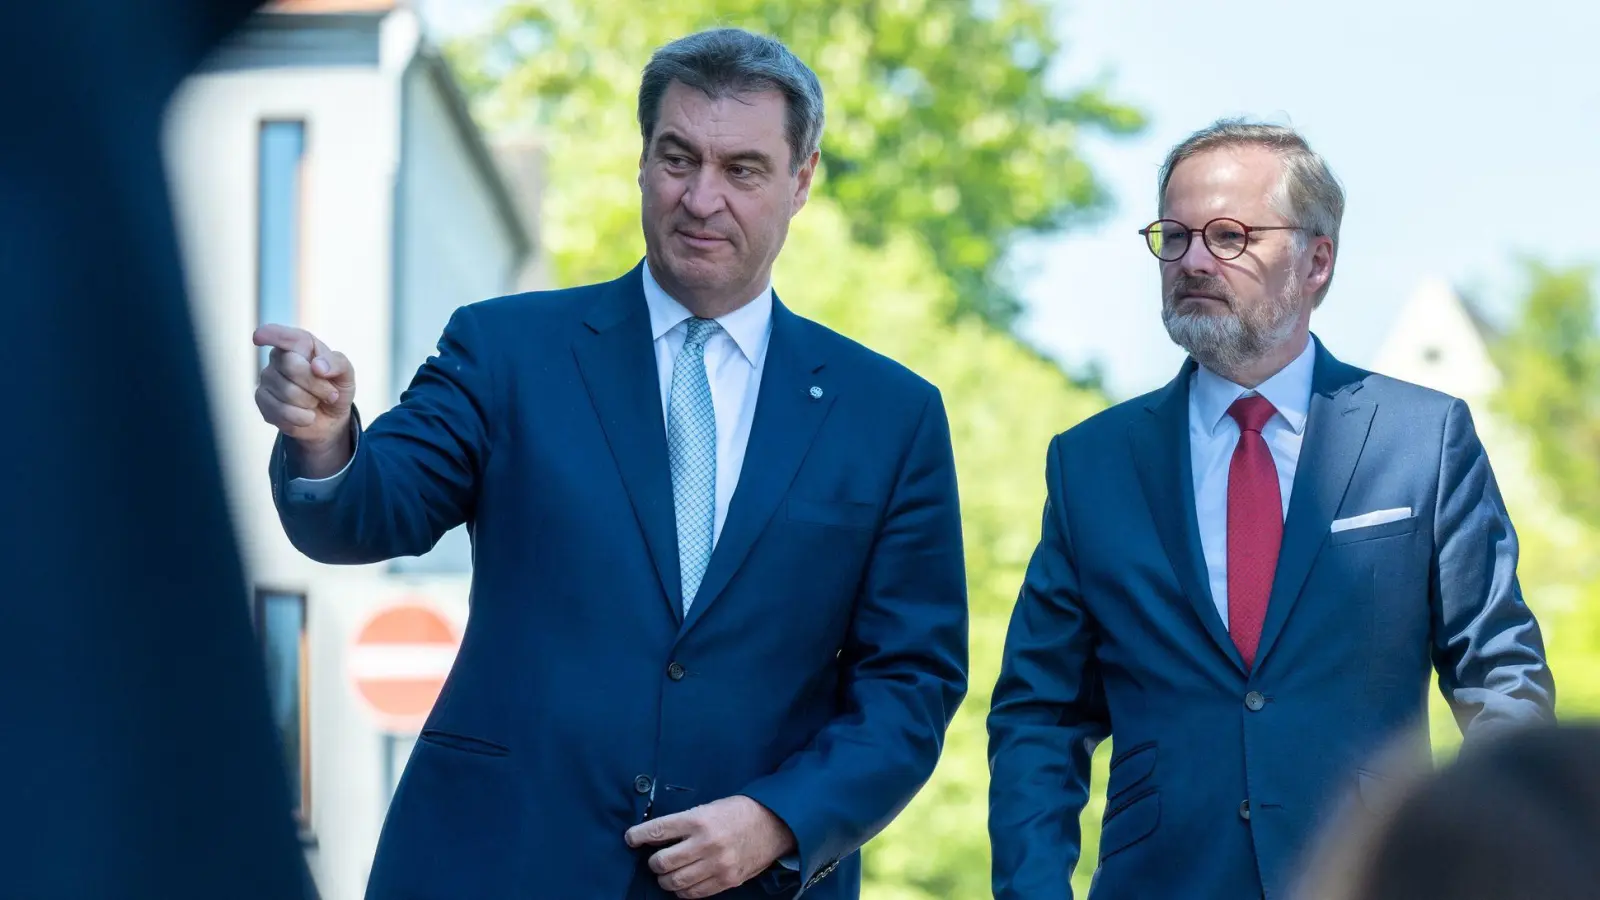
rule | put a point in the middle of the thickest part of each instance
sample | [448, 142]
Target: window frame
[302, 803]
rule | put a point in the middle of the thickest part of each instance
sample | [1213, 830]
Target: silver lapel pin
[816, 392]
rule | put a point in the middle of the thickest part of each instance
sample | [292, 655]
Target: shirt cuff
[790, 862]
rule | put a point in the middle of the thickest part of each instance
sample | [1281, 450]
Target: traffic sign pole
[386, 744]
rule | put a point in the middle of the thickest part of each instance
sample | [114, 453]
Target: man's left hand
[714, 847]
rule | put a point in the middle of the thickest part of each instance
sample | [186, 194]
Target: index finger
[286, 338]
[659, 831]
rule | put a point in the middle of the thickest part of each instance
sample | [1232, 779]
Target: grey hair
[728, 62]
[1308, 194]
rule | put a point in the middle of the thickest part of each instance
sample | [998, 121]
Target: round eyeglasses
[1226, 238]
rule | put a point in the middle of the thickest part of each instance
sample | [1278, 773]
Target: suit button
[1254, 701]
[675, 672]
[1244, 810]
[643, 784]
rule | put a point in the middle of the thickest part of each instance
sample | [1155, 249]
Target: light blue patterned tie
[692, 453]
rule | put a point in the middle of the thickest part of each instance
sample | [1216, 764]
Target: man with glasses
[1246, 577]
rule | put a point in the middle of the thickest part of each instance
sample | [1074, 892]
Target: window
[280, 184]
[281, 629]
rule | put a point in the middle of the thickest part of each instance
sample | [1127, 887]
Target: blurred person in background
[140, 755]
[1514, 818]
[712, 640]
[1247, 577]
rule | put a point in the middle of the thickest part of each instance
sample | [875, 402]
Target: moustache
[1202, 286]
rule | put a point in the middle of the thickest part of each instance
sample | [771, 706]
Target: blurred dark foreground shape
[138, 754]
[1517, 818]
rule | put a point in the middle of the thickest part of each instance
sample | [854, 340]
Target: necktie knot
[700, 331]
[1252, 412]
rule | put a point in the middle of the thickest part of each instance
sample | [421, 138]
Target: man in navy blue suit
[718, 616]
[1247, 577]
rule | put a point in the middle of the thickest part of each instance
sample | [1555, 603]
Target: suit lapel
[1160, 444]
[1336, 430]
[617, 359]
[786, 419]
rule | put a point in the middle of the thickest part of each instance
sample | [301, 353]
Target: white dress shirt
[734, 358]
[1213, 434]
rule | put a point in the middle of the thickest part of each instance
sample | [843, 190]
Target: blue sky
[1465, 133]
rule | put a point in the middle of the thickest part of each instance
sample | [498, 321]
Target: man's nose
[703, 197]
[1197, 258]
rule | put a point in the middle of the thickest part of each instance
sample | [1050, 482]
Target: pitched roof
[1488, 329]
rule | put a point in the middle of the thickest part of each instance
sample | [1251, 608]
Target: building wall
[344, 279]
[522, 161]
[1434, 342]
[453, 249]
[375, 280]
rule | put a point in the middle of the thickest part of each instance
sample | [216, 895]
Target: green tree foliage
[1550, 393]
[941, 120]
[1551, 364]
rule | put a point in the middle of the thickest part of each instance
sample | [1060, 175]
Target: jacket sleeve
[416, 469]
[1487, 646]
[1047, 716]
[905, 670]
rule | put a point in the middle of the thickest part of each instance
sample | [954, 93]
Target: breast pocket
[854, 514]
[1373, 532]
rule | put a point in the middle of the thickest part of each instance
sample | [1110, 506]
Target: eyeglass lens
[1169, 239]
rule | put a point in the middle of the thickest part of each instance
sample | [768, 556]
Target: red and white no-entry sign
[399, 662]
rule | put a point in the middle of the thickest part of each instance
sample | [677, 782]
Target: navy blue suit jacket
[816, 671]
[140, 755]
[1222, 777]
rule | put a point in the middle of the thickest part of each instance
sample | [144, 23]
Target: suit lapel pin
[816, 392]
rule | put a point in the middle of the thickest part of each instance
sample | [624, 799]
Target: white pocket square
[1376, 517]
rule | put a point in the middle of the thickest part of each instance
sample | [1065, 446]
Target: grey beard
[1227, 342]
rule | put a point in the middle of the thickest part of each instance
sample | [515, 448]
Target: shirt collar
[748, 326]
[1289, 391]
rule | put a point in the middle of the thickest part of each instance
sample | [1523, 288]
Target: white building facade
[325, 174]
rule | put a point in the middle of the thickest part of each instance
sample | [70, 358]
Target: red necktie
[1255, 525]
